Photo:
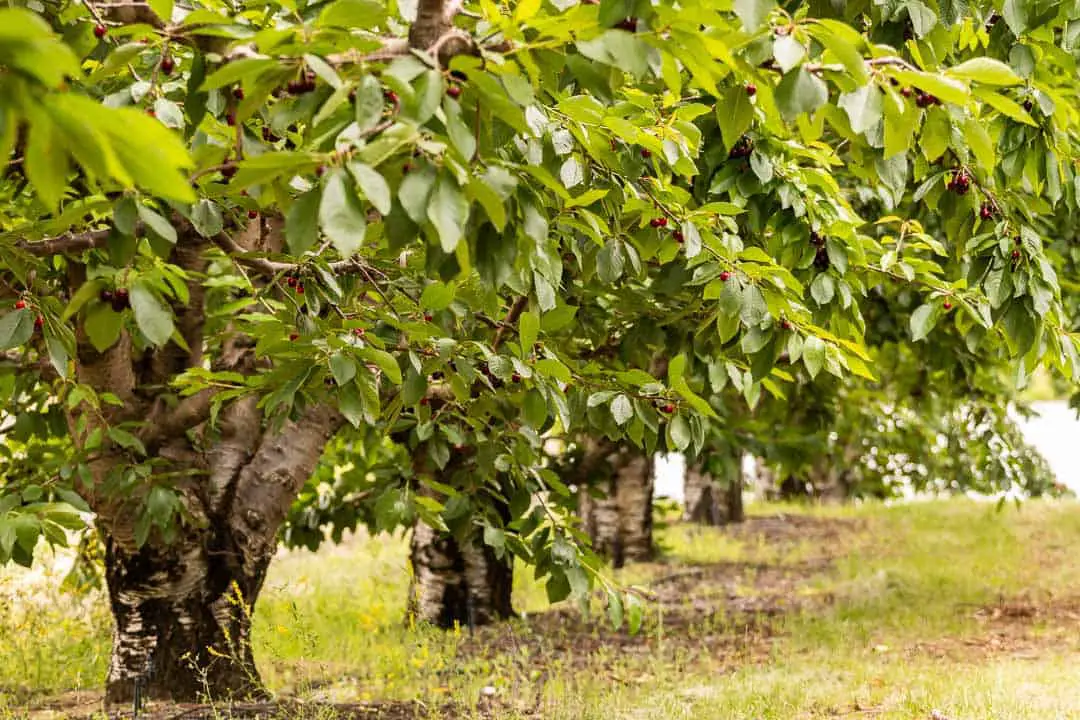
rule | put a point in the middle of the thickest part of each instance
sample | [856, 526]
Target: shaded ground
[880, 612]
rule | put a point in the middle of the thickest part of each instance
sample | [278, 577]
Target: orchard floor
[951, 610]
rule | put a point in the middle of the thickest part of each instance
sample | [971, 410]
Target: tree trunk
[183, 624]
[619, 519]
[457, 584]
[182, 605]
[713, 490]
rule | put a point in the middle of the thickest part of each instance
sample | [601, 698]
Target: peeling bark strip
[619, 522]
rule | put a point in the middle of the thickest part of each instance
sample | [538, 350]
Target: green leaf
[16, 328]
[437, 296]
[622, 409]
[340, 215]
[528, 330]
[448, 212]
[788, 51]
[753, 13]
[986, 71]
[373, 185]
[734, 114]
[814, 355]
[157, 224]
[369, 103]
[153, 317]
[385, 361]
[103, 326]
[343, 368]
[553, 368]
[823, 288]
[863, 107]
[206, 218]
[923, 320]
[353, 14]
[46, 163]
[414, 193]
[302, 222]
[536, 411]
[86, 292]
[800, 92]
[678, 433]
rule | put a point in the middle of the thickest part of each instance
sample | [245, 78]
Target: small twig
[511, 317]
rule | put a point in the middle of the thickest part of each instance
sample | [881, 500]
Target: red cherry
[39, 322]
[391, 96]
[230, 119]
[252, 214]
[424, 401]
[299, 289]
[1015, 254]
[678, 236]
[238, 93]
[454, 91]
[167, 65]
[294, 336]
[785, 324]
[661, 222]
[20, 304]
[751, 89]
[358, 332]
[986, 211]
[668, 408]
[947, 305]
[515, 378]
[428, 317]
[646, 153]
[100, 31]
[725, 276]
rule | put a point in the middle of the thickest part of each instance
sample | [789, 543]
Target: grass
[881, 611]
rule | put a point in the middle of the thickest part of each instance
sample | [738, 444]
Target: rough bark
[615, 500]
[713, 490]
[183, 608]
[455, 581]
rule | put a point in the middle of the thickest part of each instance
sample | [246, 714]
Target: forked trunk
[183, 624]
[457, 584]
[615, 500]
[182, 606]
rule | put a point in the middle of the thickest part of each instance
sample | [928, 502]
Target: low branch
[67, 243]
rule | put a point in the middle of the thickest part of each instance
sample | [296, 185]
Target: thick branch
[269, 483]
